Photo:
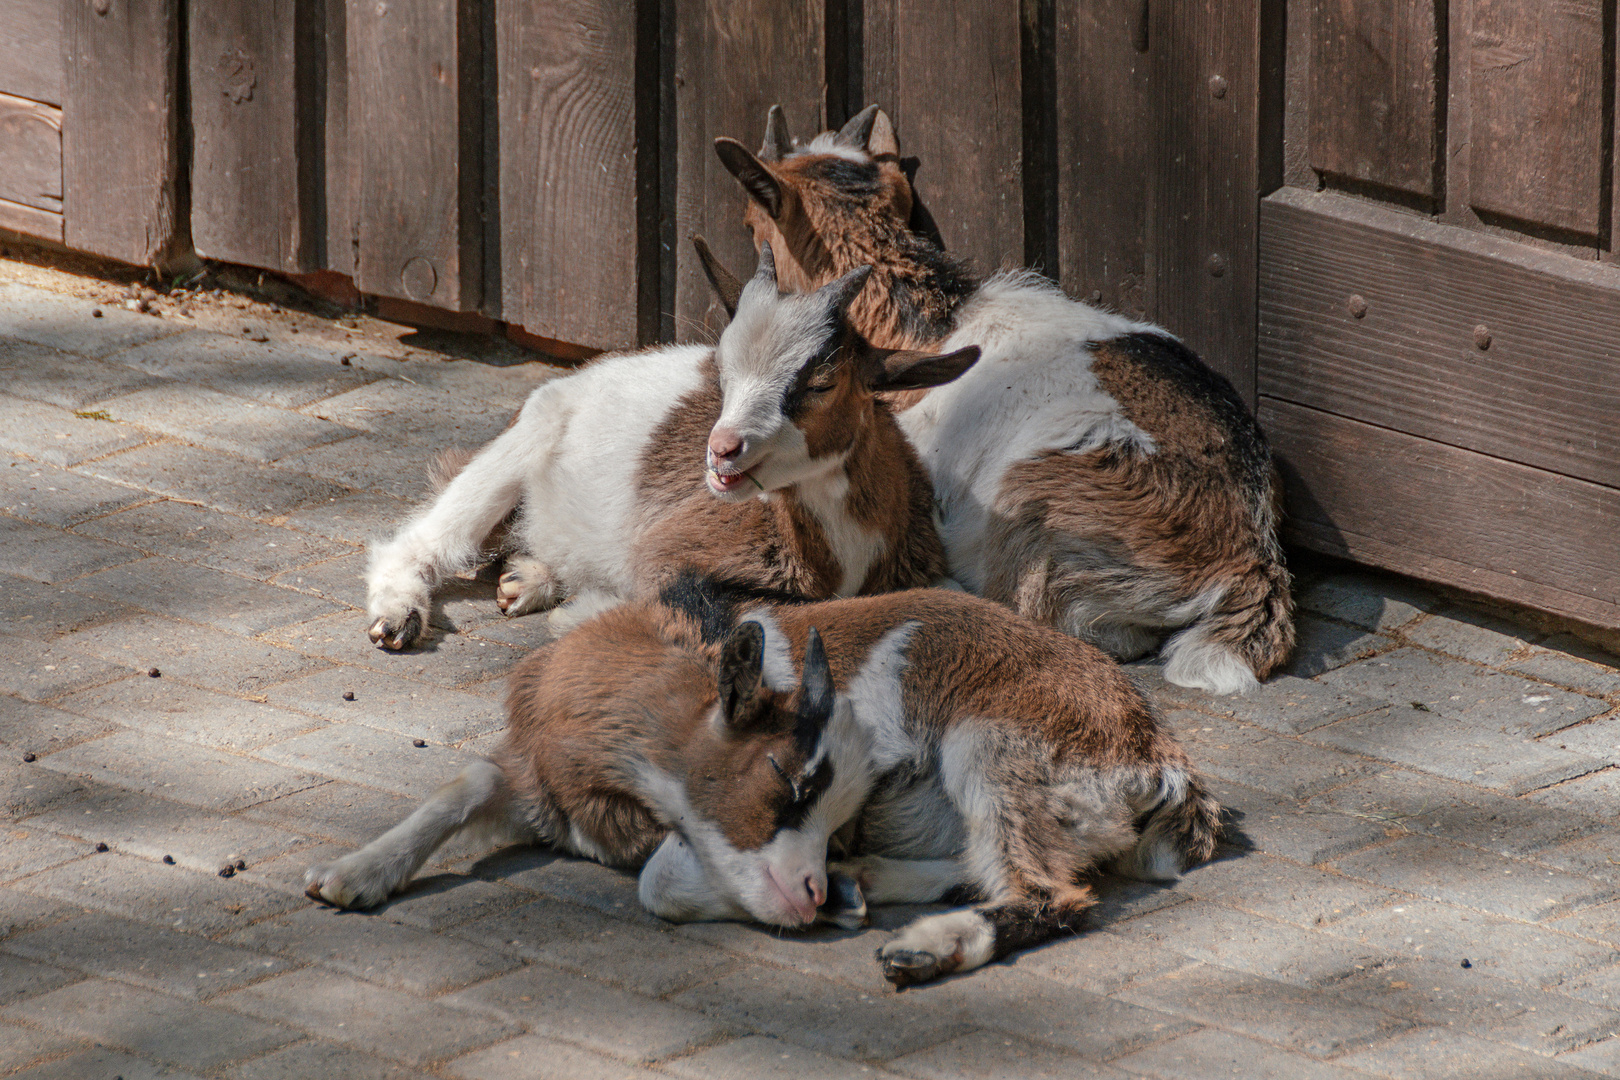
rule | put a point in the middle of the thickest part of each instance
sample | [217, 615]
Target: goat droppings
[348, 695]
[168, 860]
[30, 757]
[419, 743]
[101, 846]
[153, 673]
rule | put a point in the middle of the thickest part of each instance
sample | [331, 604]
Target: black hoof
[905, 967]
[393, 639]
[846, 906]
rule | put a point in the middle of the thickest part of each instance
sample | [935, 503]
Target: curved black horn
[859, 129]
[766, 271]
[778, 144]
[818, 679]
[725, 284]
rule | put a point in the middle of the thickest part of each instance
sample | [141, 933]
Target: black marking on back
[714, 602]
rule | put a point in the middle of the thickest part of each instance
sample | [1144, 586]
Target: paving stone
[33, 849]
[357, 518]
[564, 1006]
[52, 496]
[320, 1059]
[1487, 699]
[268, 372]
[1473, 636]
[176, 770]
[1282, 890]
[1596, 738]
[36, 671]
[170, 708]
[377, 463]
[1602, 1058]
[213, 479]
[1572, 663]
[533, 1057]
[1493, 945]
[1284, 704]
[1440, 870]
[1099, 962]
[61, 322]
[41, 729]
[1412, 802]
[1601, 923]
[1235, 939]
[421, 419]
[1482, 1005]
[189, 653]
[1456, 749]
[1206, 1054]
[340, 580]
[206, 537]
[1303, 832]
[1442, 1054]
[438, 901]
[1318, 1022]
[225, 422]
[151, 892]
[1597, 795]
[500, 388]
[820, 952]
[376, 950]
[363, 755]
[448, 660]
[197, 594]
[346, 813]
[21, 979]
[526, 632]
[41, 553]
[40, 611]
[1119, 899]
[989, 1056]
[20, 911]
[100, 1063]
[579, 881]
[576, 939]
[1372, 603]
[58, 437]
[183, 965]
[1596, 856]
[1596, 986]
[138, 824]
[389, 703]
[52, 377]
[1258, 759]
[28, 788]
[1322, 645]
[20, 1046]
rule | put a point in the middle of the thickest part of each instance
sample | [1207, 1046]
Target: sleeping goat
[1092, 471]
[937, 741]
[765, 458]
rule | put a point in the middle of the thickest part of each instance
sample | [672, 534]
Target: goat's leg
[956, 941]
[674, 885]
[365, 878]
[526, 585]
[902, 881]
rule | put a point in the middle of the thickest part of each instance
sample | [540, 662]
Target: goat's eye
[814, 389]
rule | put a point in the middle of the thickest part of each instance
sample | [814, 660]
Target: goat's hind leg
[479, 795]
[938, 945]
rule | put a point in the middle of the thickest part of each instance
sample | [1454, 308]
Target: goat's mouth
[726, 483]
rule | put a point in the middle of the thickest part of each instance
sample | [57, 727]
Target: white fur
[1191, 659]
[965, 939]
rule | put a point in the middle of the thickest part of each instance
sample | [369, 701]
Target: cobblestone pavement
[1421, 879]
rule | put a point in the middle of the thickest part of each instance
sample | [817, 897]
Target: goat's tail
[1248, 633]
[1180, 831]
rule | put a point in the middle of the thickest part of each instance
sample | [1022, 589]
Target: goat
[1091, 470]
[606, 469]
[721, 742]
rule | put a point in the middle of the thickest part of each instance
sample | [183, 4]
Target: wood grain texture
[1537, 146]
[1375, 93]
[120, 129]
[1546, 389]
[1102, 112]
[31, 153]
[1446, 514]
[30, 221]
[568, 169]
[340, 168]
[416, 114]
[1203, 178]
[31, 49]
[253, 193]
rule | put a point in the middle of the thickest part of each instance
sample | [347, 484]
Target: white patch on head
[827, 143]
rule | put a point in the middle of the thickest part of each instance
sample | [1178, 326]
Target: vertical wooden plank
[959, 109]
[340, 171]
[1537, 146]
[1203, 176]
[1375, 96]
[568, 169]
[120, 129]
[253, 198]
[1297, 171]
[417, 117]
[1102, 100]
[31, 50]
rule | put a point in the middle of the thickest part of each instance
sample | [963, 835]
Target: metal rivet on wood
[1217, 86]
[1482, 336]
[1217, 265]
[102, 6]
[1357, 306]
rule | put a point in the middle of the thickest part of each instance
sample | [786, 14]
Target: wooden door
[1439, 294]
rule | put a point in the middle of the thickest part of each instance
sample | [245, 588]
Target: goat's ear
[816, 706]
[844, 290]
[859, 128]
[906, 370]
[921, 221]
[742, 676]
[882, 139]
[725, 284]
[755, 177]
[778, 143]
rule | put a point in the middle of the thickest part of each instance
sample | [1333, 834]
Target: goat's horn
[723, 281]
[778, 144]
[859, 129]
[767, 264]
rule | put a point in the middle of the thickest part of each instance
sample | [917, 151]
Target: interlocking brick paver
[992, 1056]
[1598, 738]
[346, 813]
[1259, 759]
[56, 436]
[202, 655]
[1206, 1054]
[1596, 794]
[501, 387]
[21, 979]
[41, 553]
[1372, 603]
[33, 849]
[1442, 1054]
[1282, 890]
[37, 610]
[28, 788]
[1323, 645]
[1101, 961]
[65, 323]
[1303, 832]
[820, 951]
[1602, 1058]
[40, 671]
[152, 1025]
[1473, 636]
[766, 1059]
[569, 1007]
[1285, 704]
[26, 726]
[390, 704]
[342, 580]
[20, 1046]
[20, 911]
[104, 1063]
[270, 372]
[52, 496]
[363, 755]
[448, 660]
[588, 884]
[305, 1060]
[222, 481]
[377, 463]
[179, 771]
[52, 377]
[534, 1057]
[1596, 856]
[1572, 663]
[196, 593]
[170, 708]
[1601, 923]
[195, 535]
[218, 421]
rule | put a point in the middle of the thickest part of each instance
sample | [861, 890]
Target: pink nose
[818, 895]
[724, 444]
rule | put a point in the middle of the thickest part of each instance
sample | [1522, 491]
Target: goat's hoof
[846, 905]
[527, 585]
[396, 638]
[904, 967]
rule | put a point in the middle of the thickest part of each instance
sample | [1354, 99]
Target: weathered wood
[1203, 176]
[254, 198]
[417, 115]
[1446, 514]
[30, 221]
[1545, 391]
[1102, 158]
[568, 170]
[31, 49]
[1537, 146]
[31, 153]
[340, 168]
[1375, 93]
[121, 127]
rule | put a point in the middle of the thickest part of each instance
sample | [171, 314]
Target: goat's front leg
[674, 885]
[365, 878]
[959, 941]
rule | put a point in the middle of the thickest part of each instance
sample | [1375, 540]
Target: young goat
[1092, 471]
[939, 740]
[607, 470]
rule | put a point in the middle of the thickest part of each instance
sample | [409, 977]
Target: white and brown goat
[1091, 470]
[936, 741]
[810, 487]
